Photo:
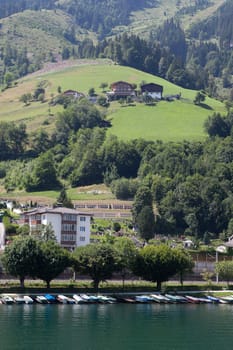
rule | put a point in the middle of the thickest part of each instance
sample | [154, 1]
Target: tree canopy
[96, 260]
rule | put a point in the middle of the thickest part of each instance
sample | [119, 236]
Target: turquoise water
[113, 327]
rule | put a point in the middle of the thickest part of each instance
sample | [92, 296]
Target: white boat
[176, 298]
[41, 299]
[6, 299]
[62, 299]
[90, 298]
[160, 298]
[227, 299]
[28, 300]
[144, 299]
[19, 300]
[70, 300]
[78, 299]
[192, 299]
[106, 299]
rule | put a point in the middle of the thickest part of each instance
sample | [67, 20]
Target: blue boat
[51, 299]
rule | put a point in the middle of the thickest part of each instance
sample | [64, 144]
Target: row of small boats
[171, 298]
[104, 299]
[56, 299]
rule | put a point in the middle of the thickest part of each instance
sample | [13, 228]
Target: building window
[44, 217]
[82, 218]
[68, 238]
[82, 239]
[68, 227]
[69, 217]
[82, 228]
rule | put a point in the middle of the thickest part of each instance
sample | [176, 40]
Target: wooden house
[120, 89]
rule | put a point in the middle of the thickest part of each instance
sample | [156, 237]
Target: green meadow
[168, 121]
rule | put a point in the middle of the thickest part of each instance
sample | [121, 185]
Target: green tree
[184, 262]
[44, 176]
[91, 92]
[156, 264]
[102, 101]
[63, 199]
[26, 98]
[143, 197]
[40, 141]
[126, 253]
[103, 86]
[54, 261]
[8, 78]
[146, 223]
[225, 270]
[22, 258]
[97, 260]
[46, 233]
[200, 97]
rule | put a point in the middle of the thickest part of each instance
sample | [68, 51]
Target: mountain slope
[167, 120]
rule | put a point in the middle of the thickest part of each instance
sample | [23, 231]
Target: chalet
[153, 90]
[74, 94]
[71, 227]
[120, 89]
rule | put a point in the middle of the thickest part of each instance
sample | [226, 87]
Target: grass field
[94, 192]
[168, 121]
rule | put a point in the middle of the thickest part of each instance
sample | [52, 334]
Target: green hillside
[42, 33]
[175, 120]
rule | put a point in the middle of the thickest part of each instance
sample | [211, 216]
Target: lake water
[114, 327]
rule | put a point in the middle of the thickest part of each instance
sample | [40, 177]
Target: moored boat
[176, 298]
[159, 298]
[193, 300]
[19, 299]
[28, 300]
[51, 298]
[78, 299]
[90, 298]
[41, 299]
[6, 299]
[62, 299]
[144, 299]
[227, 299]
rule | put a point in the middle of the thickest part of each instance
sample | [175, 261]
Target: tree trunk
[96, 286]
[21, 279]
[159, 285]
[48, 284]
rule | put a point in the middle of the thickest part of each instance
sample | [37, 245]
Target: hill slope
[168, 121]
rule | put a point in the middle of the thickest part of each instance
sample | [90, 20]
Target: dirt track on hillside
[61, 65]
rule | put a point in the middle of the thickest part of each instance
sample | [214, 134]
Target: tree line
[29, 257]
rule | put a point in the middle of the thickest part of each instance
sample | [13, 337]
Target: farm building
[120, 89]
[153, 90]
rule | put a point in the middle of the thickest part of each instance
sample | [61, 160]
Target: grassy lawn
[168, 121]
[93, 192]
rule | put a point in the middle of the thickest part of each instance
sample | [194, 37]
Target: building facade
[155, 91]
[71, 227]
[120, 89]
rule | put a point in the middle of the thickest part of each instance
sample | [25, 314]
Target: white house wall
[155, 95]
[55, 221]
[83, 236]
